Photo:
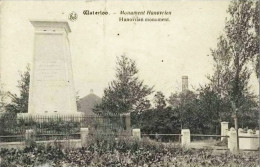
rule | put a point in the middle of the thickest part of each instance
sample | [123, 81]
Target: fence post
[232, 140]
[185, 138]
[256, 141]
[29, 136]
[224, 130]
[136, 134]
[128, 121]
[84, 136]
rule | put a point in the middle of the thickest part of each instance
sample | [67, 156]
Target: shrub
[123, 152]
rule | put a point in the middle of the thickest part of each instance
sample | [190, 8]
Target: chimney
[91, 91]
[185, 83]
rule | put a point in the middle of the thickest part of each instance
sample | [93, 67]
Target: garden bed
[123, 152]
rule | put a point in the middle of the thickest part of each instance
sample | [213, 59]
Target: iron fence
[59, 126]
[164, 137]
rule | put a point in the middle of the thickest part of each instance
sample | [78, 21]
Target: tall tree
[126, 93]
[257, 36]
[159, 100]
[241, 37]
[19, 103]
[221, 66]
[236, 48]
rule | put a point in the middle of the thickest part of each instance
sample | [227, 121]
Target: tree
[241, 37]
[179, 102]
[180, 99]
[159, 100]
[237, 47]
[257, 36]
[222, 65]
[3, 98]
[213, 109]
[19, 104]
[156, 121]
[126, 93]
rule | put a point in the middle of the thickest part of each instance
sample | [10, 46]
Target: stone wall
[248, 140]
[248, 143]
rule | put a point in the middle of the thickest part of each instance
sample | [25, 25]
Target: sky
[163, 51]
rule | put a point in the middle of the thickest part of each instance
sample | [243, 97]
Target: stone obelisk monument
[51, 83]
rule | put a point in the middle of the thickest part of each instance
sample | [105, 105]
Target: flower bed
[123, 152]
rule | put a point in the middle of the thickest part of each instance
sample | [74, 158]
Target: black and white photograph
[114, 83]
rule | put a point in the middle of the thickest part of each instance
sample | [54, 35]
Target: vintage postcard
[129, 83]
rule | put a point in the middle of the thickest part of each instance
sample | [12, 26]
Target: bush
[123, 152]
[163, 121]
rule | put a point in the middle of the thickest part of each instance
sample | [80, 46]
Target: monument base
[77, 116]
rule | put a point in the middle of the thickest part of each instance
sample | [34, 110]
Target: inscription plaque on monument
[51, 86]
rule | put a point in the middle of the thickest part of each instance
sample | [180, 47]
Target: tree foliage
[243, 46]
[127, 93]
[156, 121]
[19, 103]
[159, 100]
[181, 99]
[257, 36]
[3, 98]
[236, 48]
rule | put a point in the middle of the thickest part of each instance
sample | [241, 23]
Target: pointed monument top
[51, 24]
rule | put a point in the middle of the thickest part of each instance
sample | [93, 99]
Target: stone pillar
[224, 129]
[136, 134]
[185, 138]
[84, 136]
[232, 140]
[29, 136]
[128, 121]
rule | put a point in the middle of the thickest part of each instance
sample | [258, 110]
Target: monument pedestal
[51, 84]
[77, 117]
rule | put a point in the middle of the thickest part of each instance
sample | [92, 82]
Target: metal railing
[161, 134]
[49, 127]
[201, 135]
[256, 137]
